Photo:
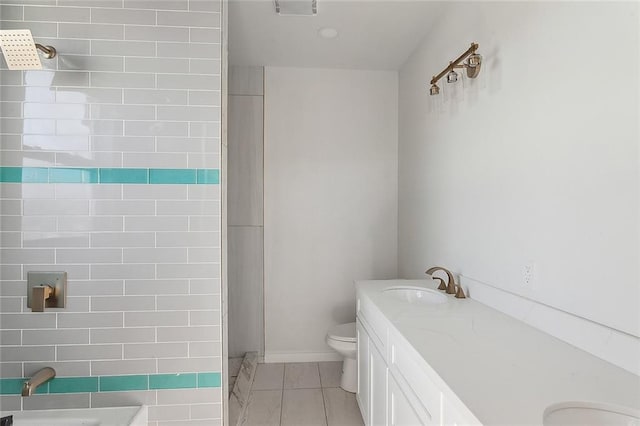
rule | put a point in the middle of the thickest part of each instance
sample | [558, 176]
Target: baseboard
[271, 357]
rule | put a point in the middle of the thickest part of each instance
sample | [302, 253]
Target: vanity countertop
[505, 371]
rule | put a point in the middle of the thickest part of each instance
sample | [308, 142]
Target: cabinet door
[362, 395]
[401, 413]
[378, 387]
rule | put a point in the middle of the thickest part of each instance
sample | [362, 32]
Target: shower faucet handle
[46, 290]
[39, 297]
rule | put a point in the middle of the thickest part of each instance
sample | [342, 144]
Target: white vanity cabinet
[372, 380]
[425, 361]
[395, 386]
[378, 374]
[382, 401]
[401, 413]
[362, 395]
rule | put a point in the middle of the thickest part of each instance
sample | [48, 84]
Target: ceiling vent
[296, 7]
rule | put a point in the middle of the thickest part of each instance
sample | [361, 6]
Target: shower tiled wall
[110, 160]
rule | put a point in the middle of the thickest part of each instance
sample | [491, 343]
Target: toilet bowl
[342, 339]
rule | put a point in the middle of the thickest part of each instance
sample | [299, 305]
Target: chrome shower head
[21, 52]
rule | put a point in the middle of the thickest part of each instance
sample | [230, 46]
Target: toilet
[342, 339]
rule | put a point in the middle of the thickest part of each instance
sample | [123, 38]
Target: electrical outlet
[528, 274]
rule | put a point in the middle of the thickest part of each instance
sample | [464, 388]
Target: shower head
[21, 52]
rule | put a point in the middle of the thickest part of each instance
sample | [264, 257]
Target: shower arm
[49, 51]
[456, 63]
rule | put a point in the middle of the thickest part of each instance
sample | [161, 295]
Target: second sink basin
[416, 295]
[590, 414]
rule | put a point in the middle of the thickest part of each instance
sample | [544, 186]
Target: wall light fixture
[472, 67]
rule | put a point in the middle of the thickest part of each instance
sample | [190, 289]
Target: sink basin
[416, 295]
[590, 414]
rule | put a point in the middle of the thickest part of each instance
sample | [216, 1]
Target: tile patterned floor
[300, 394]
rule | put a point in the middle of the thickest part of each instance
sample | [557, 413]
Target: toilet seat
[343, 332]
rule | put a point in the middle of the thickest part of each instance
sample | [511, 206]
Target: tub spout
[40, 377]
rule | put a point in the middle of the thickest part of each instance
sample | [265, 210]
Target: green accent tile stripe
[24, 174]
[209, 380]
[73, 384]
[10, 386]
[43, 389]
[124, 383]
[124, 175]
[64, 175]
[108, 175]
[14, 386]
[172, 176]
[209, 176]
[34, 174]
[173, 381]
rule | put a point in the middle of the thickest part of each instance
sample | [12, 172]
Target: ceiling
[373, 34]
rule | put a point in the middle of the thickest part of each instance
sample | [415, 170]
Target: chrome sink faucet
[451, 287]
[40, 377]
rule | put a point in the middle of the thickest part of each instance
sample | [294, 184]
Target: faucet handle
[39, 297]
[459, 292]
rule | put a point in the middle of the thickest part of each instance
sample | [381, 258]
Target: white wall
[330, 200]
[536, 161]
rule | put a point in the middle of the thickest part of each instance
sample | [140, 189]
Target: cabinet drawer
[410, 369]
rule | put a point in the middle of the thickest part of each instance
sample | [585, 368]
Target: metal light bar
[456, 63]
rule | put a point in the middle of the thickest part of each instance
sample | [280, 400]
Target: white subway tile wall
[136, 84]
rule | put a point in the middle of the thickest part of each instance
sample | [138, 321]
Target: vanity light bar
[472, 66]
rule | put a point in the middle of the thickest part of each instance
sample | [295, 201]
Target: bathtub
[113, 416]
